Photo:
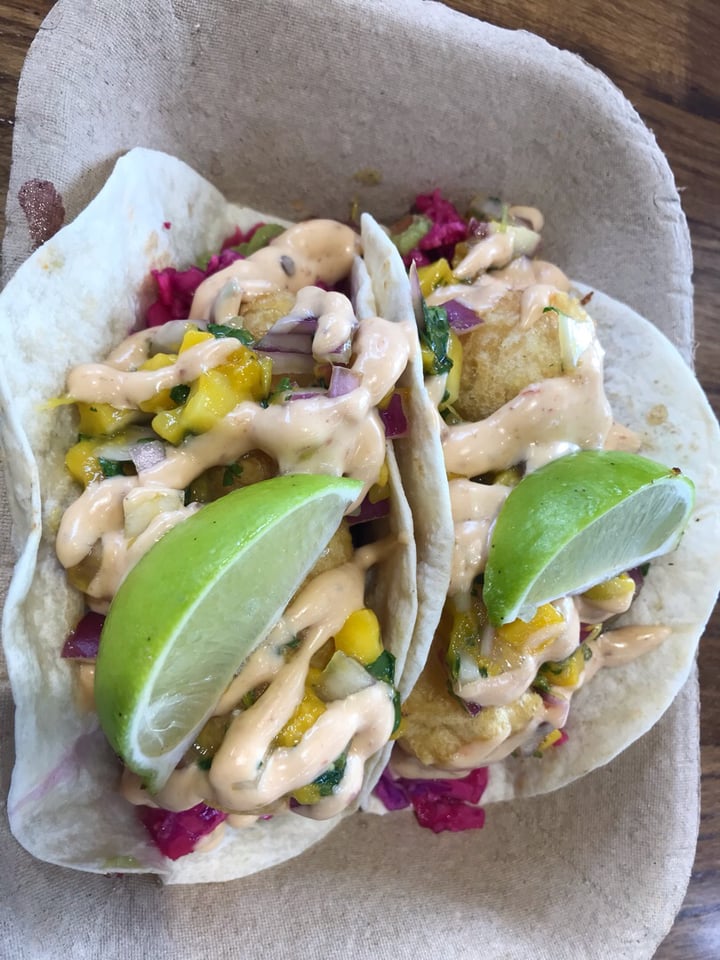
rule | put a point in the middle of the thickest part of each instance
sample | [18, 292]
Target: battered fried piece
[501, 357]
[215, 482]
[435, 726]
[261, 312]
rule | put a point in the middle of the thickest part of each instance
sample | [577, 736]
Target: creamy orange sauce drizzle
[571, 410]
[304, 253]
[338, 436]
[475, 507]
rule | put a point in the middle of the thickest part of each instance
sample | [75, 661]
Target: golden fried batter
[500, 357]
[261, 312]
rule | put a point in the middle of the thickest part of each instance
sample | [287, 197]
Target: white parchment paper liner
[284, 105]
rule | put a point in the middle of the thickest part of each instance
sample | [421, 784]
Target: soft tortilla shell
[70, 302]
[651, 390]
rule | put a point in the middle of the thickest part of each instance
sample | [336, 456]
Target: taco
[517, 375]
[132, 401]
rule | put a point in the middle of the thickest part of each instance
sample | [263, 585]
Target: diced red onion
[338, 354]
[305, 393]
[638, 578]
[369, 511]
[293, 324]
[177, 834]
[472, 708]
[439, 805]
[274, 342]
[82, 643]
[342, 381]
[393, 418]
[460, 317]
[147, 455]
[287, 363]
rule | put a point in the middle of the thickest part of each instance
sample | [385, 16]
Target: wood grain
[666, 59]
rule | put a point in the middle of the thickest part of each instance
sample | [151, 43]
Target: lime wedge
[577, 521]
[197, 604]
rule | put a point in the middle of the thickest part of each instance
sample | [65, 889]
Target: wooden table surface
[666, 59]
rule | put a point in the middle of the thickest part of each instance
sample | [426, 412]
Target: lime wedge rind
[577, 521]
[196, 605]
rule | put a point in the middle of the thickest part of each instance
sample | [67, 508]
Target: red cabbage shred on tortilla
[177, 834]
[439, 805]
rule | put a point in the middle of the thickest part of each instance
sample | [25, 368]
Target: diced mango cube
[83, 463]
[565, 673]
[162, 400]
[308, 794]
[192, 338]
[211, 396]
[613, 589]
[158, 361]
[359, 636]
[518, 633]
[306, 713]
[168, 425]
[434, 275]
[548, 741]
[102, 419]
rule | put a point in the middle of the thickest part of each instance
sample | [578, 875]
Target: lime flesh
[197, 604]
[577, 521]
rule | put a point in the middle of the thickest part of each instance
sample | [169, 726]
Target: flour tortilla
[71, 302]
[651, 390]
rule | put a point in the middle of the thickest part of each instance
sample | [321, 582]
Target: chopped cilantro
[435, 335]
[644, 569]
[383, 668]
[278, 394]
[205, 763]
[110, 468]
[586, 651]
[180, 393]
[231, 473]
[220, 331]
[330, 778]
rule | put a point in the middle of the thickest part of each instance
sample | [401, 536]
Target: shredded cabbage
[177, 834]
[439, 805]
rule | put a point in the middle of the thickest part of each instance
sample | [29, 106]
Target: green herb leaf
[110, 468]
[435, 335]
[221, 331]
[330, 778]
[231, 473]
[278, 394]
[180, 393]
[383, 668]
